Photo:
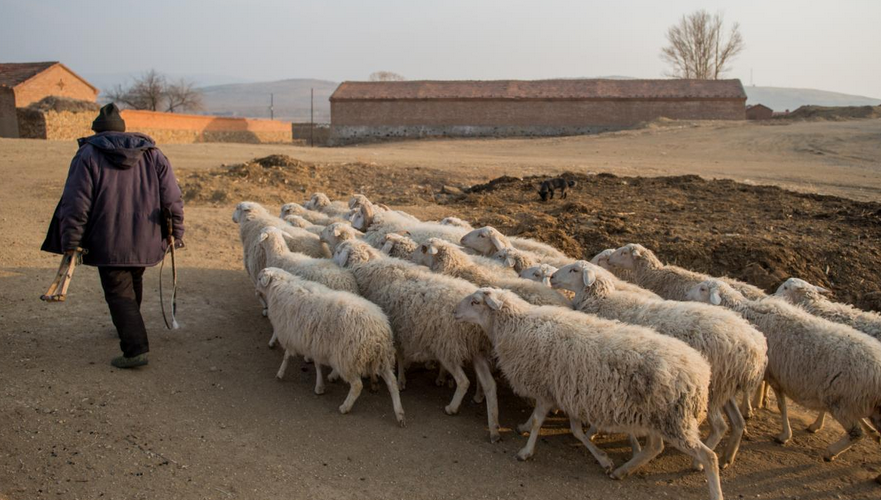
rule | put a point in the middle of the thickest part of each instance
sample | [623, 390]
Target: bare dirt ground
[207, 419]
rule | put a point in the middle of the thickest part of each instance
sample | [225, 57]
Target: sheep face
[395, 244]
[245, 211]
[574, 277]
[795, 290]
[485, 241]
[541, 273]
[626, 256]
[477, 308]
[357, 200]
[289, 209]
[266, 276]
[706, 292]
[602, 259]
[351, 252]
[334, 234]
[363, 218]
[426, 252]
[317, 201]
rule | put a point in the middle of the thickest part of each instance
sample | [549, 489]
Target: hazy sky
[829, 45]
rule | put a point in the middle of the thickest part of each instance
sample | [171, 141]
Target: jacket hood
[124, 150]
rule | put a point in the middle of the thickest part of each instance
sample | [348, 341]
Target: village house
[25, 83]
[759, 112]
[370, 110]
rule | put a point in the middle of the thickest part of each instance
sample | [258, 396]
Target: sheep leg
[738, 425]
[526, 426]
[786, 435]
[284, 365]
[654, 445]
[319, 380]
[333, 376]
[746, 406]
[402, 370]
[870, 430]
[485, 380]
[538, 417]
[818, 423]
[766, 401]
[374, 383]
[600, 456]
[635, 447]
[718, 428]
[853, 434]
[462, 384]
[355, 387]
[710, 462]
[479, 396]
[441, 379]
[389, 377]
[273, 340]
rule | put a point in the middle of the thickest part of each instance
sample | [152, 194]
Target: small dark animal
[549, 186]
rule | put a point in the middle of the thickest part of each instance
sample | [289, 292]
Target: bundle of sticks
[57, 291]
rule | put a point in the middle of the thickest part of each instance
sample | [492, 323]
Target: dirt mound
[62, 104]
[760, 234]
[833, 113]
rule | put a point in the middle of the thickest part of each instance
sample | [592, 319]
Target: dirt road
[207, 419]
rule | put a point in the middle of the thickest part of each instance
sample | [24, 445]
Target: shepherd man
[120, 191]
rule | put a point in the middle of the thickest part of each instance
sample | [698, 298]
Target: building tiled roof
[12, 74]
[540, 89]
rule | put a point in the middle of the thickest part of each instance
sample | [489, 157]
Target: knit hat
[109, 120]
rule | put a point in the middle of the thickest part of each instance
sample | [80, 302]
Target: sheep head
[541, 273]
[485, 241]
[795, 290]
[246, 210]
[363, 218]
[602, 259]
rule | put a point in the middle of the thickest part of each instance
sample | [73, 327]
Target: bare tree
[182, 95]
[699, 48]
[153, 92]
[385, 76]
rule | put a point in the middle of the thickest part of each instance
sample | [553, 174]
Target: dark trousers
[123, 289]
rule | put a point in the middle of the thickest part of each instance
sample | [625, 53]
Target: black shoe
[133, 362]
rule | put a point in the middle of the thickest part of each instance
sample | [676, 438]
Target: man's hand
[178, 244]
[70, 252]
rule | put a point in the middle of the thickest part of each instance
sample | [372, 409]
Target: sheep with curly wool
[312, 216]
[324, 271]
[668, 281]
[810, 297]
[333, 328]
[337, 232]
[378, 224]
[623, 378]
[488, 240]
[736, 351]
[419, 305]
[319, 202]
[821, 365]
[446, 258]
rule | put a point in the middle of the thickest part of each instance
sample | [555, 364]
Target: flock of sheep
[623, 343]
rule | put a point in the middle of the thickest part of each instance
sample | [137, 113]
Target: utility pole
[272, 106]
[311, 117]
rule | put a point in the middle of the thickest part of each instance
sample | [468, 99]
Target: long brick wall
[164, 128]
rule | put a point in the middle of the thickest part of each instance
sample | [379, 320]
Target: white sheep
[337, 232]
[821, 365]
[446, 258]
[455, 221]
[419, 304]
[488, 240]
[623, 378]
[398, 246]
[540, 273]
[736, 351]
[334, 328]
[668, 281]
[377, 224]
[312, 216]
[302, 223]
[602, 259]
[321, 203]
[324, 271]
[810, 297]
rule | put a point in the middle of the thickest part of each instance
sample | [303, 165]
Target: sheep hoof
[271, 344]
[697, 466]
[724, 464]
[523, 456]
[345, 409]
[782, 438]
[524, 429]
[813, 429]
[495, 437]
[828, 458]
[478, 399]
[319, 391]
[333, 377]
[402, 422]
[265, 312]
[616, 476]
[450, 410]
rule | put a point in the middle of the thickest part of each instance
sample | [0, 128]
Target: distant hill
[781, 98]
[251, 100]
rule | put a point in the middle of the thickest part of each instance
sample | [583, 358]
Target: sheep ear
[509, 261]
[821, 289]
[715, 298]
[263, 235]
[496, 241]
[387, 247]
[432, 250]
[337, 231]
[493, 302]
[588, 277]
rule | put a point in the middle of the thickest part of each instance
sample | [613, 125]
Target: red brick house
[363, 110]
[24, 83]
[759, 112]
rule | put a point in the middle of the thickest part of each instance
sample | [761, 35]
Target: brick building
[24, 83]
[365, 110]
[759, 112]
